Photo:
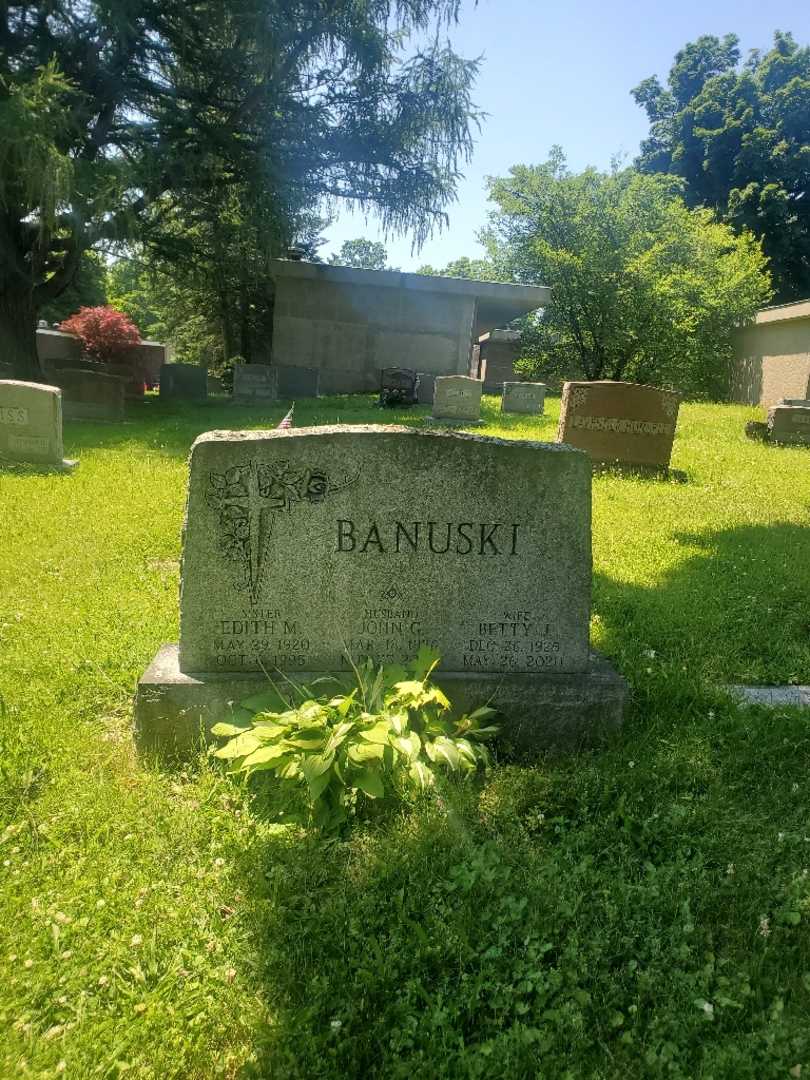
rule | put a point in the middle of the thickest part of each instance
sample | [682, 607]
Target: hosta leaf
[369, 782]
[361, 752]
[408, 745]
[300, 742]
[265, 754]
[312, 714]
[228, 729]
[315, 766]
[243, 744]
[267, 729]
[421, 775]
[318, 784]
[377, 734]
[446, 752]
[267, 701]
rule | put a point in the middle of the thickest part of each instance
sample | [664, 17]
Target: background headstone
[425, 388]
[254, 384]
[90, 395]
[456, 397]
[183, 382]
[620, 423]
[31, 423]
[790, 424]
[523, 397]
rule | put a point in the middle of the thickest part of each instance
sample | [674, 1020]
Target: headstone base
[451, 422]
[174, 712]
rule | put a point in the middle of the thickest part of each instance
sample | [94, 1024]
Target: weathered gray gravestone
[523, 397]
[790, 423]
[303, 547]
[90, 395]
[254, 384]
[457, 397]
[425, 387]
[31, 424]
[183, 382]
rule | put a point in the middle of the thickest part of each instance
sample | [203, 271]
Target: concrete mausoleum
[349, 324]
[772, 356]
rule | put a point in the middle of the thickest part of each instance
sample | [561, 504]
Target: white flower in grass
[708, 1008]
[764, 928]
[336, 1025]
[137, 939]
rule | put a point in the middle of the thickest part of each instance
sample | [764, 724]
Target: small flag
[287, 422]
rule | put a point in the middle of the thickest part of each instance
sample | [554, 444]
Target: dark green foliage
[739, 135]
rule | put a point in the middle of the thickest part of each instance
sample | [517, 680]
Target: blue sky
[562, 73]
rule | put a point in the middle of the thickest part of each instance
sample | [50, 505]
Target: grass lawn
[642, 910]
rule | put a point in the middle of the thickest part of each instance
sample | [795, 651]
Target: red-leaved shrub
[106, 334]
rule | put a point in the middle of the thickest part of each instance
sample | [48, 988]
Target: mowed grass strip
[639, 910]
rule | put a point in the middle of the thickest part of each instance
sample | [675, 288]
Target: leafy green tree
[739, 135]
[361, 254]
[464, 267]
[643, 287]
[145, 120]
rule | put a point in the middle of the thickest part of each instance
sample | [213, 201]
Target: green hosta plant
[388, 735]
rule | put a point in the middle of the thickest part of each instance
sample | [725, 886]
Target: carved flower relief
[282, 487]
[316, 485]
[232, 484]
[671, 406]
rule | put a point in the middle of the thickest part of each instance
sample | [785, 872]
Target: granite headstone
[457, 397]
[254, 384]
[307, 546]
[425, 387]
[31, 424]
[620, 423]
[523, 397]
[90, 394]
[183, 382]
[790, 424]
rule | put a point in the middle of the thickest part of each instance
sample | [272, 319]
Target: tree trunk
[18, 342]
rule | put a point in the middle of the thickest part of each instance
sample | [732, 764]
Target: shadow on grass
[735, 609]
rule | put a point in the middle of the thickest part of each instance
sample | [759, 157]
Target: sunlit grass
[640, 910]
